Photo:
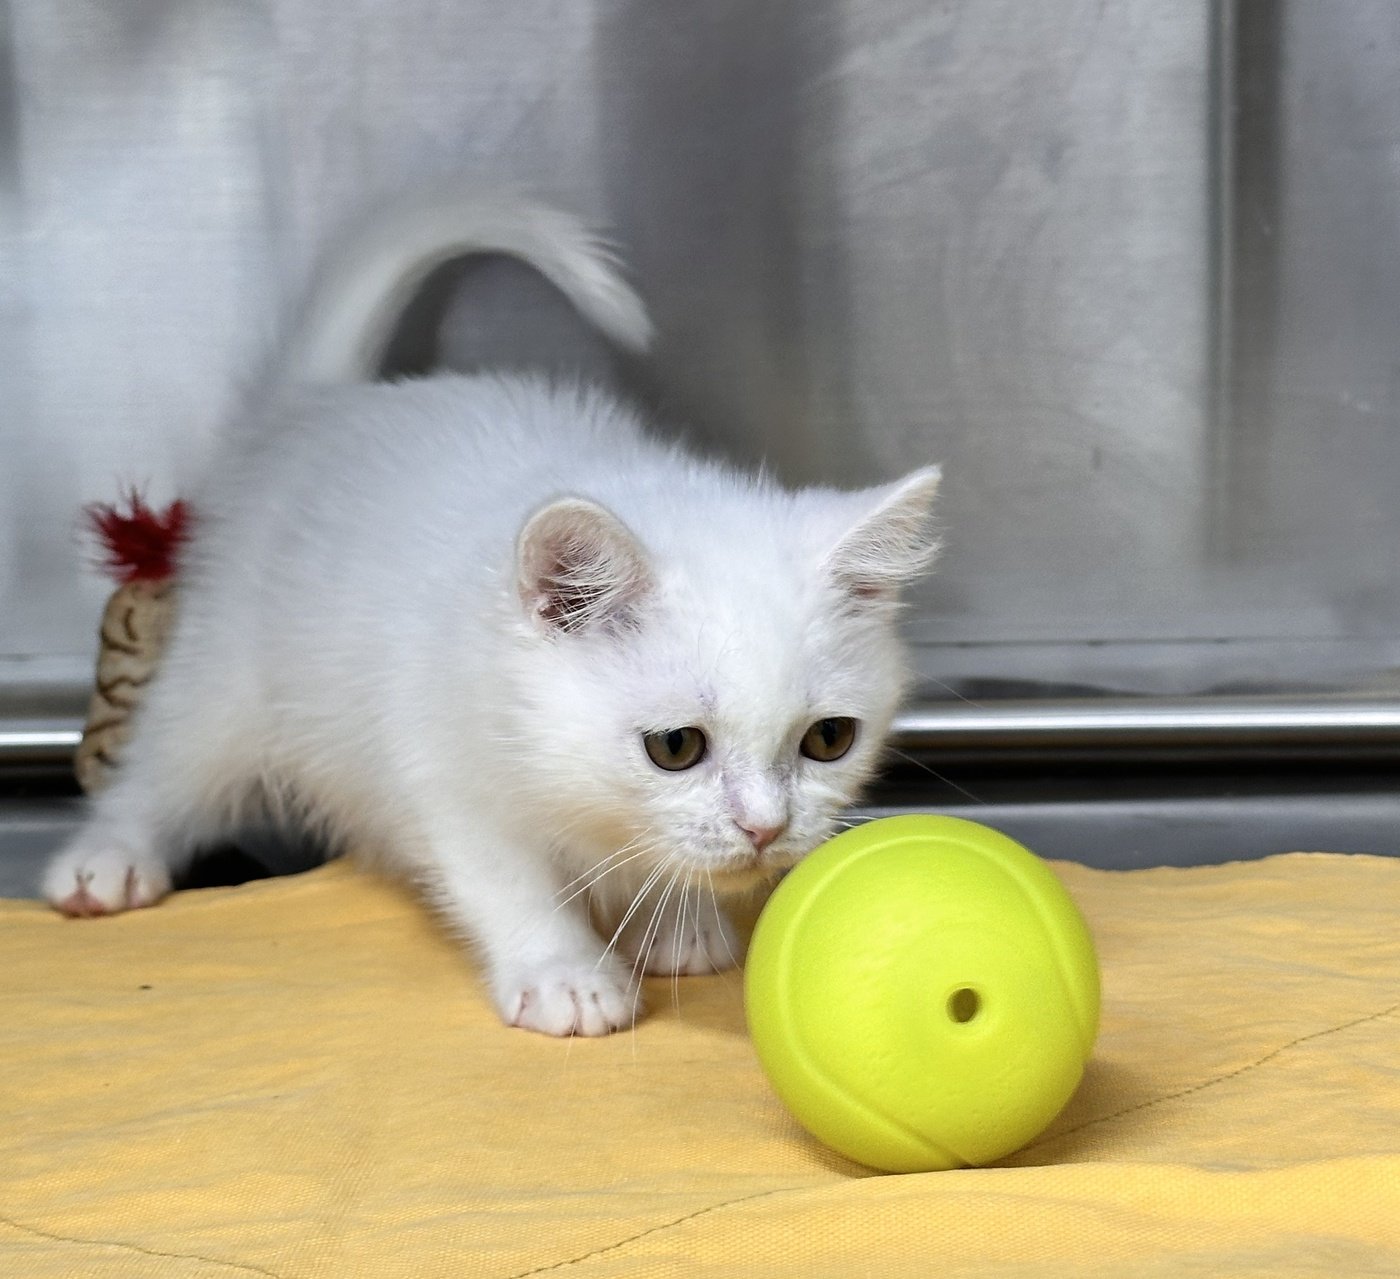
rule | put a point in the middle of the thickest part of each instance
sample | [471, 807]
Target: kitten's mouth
[739, 876]
[738, 879]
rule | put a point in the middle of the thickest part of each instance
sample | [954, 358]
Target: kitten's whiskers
[678, 941]
[653, 929]
[647, 885]
[933, 772]
[595, 875]
[719, 919]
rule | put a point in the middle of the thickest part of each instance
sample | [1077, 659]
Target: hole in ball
[964, 1004]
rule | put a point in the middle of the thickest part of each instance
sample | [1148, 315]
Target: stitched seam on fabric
[650, 1230]
[1219, 1079]
[136, 1248]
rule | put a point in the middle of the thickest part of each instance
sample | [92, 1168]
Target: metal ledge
[50, 741]
[1131, 833]
[1258, 727]
[1264, 726]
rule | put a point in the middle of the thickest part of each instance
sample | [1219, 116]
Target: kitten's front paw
[690, 946]
[84, 882]
[569, 999]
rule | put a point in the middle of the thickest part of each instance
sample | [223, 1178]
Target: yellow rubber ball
[922, 993]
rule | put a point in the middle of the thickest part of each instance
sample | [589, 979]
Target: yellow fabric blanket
[300, 1078]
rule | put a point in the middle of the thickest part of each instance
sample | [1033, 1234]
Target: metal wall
[1130, 271]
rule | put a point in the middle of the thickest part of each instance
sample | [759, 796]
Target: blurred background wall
[1131, 272]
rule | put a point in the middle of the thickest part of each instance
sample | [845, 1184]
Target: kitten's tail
[360, 292]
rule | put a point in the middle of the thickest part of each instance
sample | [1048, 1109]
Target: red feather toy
[139, 544]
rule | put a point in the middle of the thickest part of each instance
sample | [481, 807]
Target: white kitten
[489, 634]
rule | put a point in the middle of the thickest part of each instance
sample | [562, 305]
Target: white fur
[370, 635]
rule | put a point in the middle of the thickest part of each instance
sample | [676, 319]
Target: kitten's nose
[761, 836]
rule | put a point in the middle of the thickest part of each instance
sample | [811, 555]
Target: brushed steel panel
[1131, 271]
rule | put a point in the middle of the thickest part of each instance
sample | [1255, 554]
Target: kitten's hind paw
[85, 883]
[568, 999]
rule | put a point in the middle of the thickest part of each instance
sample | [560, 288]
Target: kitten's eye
[677, 749]
[829, 739]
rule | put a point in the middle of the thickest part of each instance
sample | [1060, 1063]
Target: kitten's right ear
[578, 566]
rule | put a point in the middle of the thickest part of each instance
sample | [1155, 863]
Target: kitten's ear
[578, 566]
[892, 543]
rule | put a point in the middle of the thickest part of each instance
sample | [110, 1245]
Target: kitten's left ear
[893, 542]
[578, 566]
